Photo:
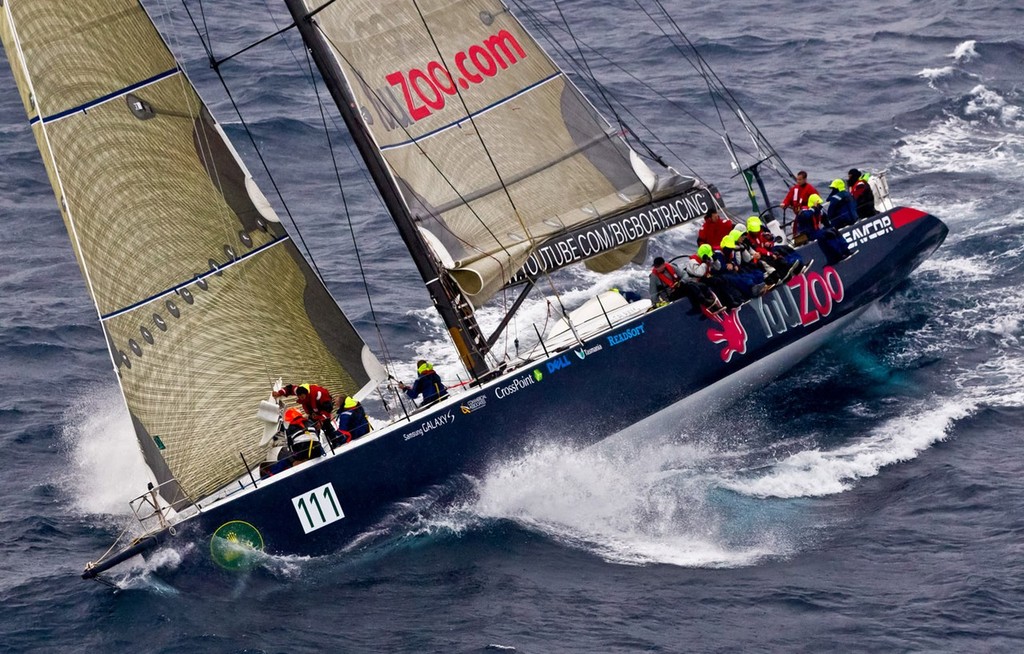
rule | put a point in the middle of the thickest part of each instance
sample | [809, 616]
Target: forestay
[492, 148]
[203, 298]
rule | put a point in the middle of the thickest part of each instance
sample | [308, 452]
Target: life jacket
[668, 277]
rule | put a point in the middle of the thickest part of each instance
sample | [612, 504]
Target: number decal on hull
[317, 508]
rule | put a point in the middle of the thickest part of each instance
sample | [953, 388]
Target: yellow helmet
[728, 241]
[704, 250]
[814, 201]
[838, 185]
[753, 224]
[350, 403]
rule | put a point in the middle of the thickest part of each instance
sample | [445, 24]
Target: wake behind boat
[497, 172]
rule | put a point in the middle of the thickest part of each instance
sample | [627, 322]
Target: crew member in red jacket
[713, 229]
[798, 194]
[316, 401]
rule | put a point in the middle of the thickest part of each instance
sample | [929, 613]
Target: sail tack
[493, 149]
[203, 298]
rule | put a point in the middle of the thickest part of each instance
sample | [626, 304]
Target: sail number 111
[318, 508]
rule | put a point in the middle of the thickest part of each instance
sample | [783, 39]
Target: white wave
[956, 145]
[958, 269]
[816, 473]
[106, 469]
[985, 102]
[933, 74]
[142, 573]
[647, 505]
[964, 51]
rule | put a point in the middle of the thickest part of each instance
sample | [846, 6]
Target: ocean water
[870, 500]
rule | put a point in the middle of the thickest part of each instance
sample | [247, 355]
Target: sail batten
[198, 279]
[106, 98]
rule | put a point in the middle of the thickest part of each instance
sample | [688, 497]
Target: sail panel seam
[470, 116]
[84, 107]
[192, 280]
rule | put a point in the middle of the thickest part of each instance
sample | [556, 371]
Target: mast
[453, 308]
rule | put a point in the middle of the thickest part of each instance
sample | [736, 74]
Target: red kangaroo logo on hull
[732, 334]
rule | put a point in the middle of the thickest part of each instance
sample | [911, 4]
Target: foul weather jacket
[429, 384]
[317, 403]
[352, 423]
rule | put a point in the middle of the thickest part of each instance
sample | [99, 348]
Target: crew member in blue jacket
[428, 383]
[352, 421]
[841, 208]
[809, 222]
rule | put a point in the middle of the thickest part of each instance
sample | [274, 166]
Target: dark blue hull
[644, 370]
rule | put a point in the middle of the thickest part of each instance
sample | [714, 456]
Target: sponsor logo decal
[474, 404]
[732, 333]
[416, 93]
[555, 365]
[612, 233]
[861, 234]
[429, 425]
[805, 300]
[623, 336]
[537, 374]
[517, 384]
[582, 353]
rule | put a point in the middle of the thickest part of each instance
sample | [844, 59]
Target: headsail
[203, 298]
[490, 145]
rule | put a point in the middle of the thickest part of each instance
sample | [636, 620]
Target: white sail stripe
[192, 280]
[459, 122]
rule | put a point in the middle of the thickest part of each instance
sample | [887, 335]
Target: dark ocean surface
[871, 500]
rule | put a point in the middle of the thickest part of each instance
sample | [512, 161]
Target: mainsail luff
[203, 298]
[454, 310]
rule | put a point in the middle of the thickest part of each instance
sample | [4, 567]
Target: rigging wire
[252, 140]
[541, 23]
[348, 214]
[415, 141]
[476, 130]
[715, 83]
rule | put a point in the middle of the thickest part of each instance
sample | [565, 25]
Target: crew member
[664, 282]
[798, 194]
[316, 401]
[860, 189]
[428, 383]
[713, 229]
[698, 268]
[840, 207]
[809, 225]
[352, 421]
